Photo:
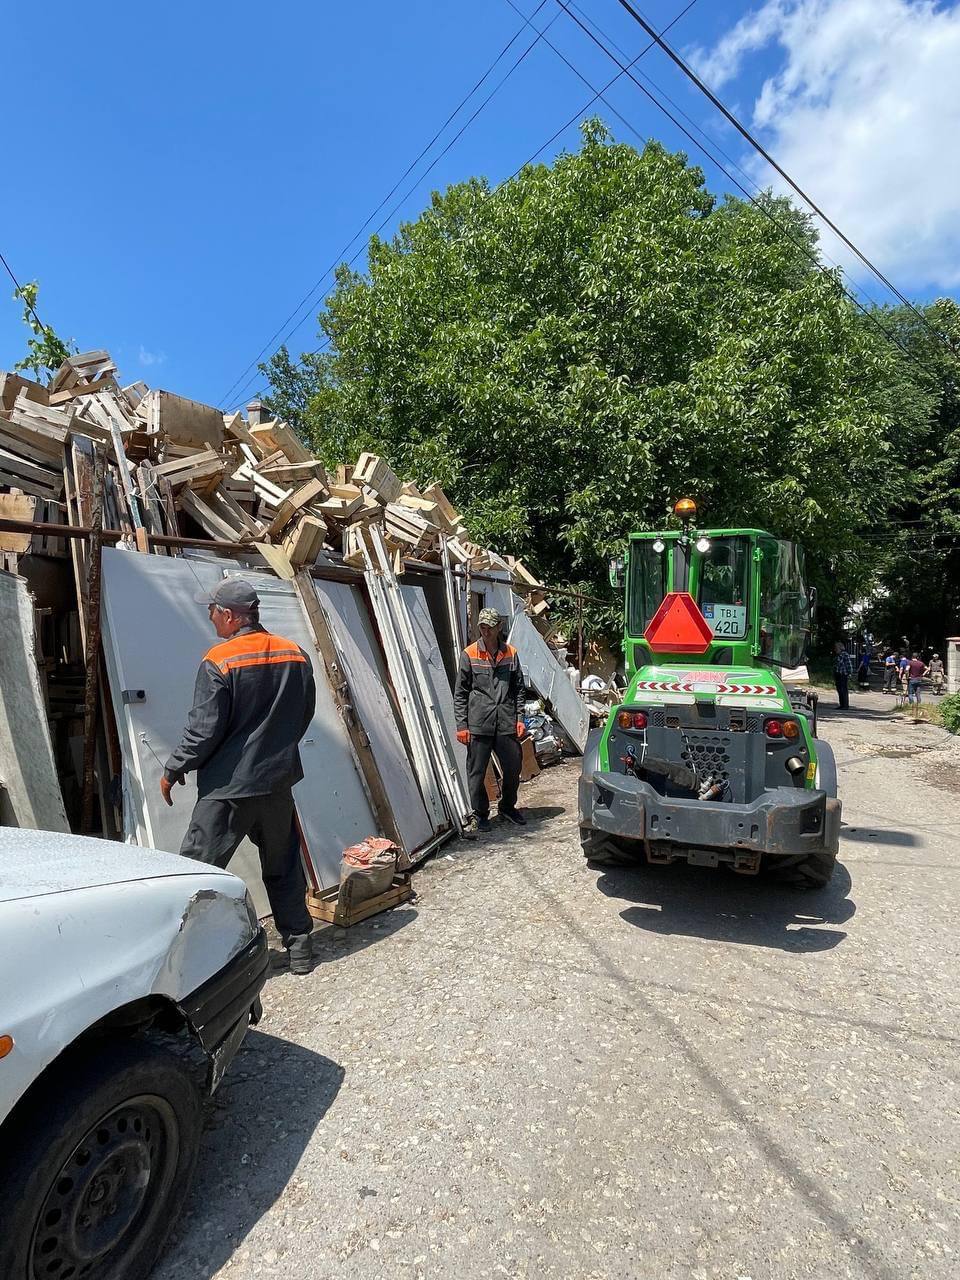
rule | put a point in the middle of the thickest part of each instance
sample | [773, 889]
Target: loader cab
[749, 586]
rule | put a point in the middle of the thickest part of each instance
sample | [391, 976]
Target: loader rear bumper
[784, 821]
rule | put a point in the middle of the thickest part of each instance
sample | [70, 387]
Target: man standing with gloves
[253, 700]
[488, 701]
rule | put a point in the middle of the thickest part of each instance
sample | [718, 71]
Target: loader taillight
[631, 720]
[782, 729]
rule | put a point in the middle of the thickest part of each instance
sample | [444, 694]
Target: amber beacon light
[685, 508]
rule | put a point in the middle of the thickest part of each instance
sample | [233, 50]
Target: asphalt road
[542, 1070]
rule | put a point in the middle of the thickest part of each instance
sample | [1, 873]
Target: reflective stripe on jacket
[489, 693]
[253, 700]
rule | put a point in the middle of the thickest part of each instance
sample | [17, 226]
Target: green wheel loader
[709, 759]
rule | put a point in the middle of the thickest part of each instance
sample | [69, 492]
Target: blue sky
[179, 176]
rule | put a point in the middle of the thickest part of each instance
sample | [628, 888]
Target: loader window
[784, 604]
[724, 587]
[646, 585]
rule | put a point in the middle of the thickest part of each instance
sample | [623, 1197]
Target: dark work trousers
[843, 690]
[216, 830]
[506, 747]
[889, 679]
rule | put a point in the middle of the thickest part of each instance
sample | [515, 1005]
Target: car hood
[34, 863]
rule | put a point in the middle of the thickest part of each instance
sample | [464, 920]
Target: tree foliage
[45, 351]
[572, 351]
[917, 540]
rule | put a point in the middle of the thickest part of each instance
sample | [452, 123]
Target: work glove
[463, 735]
[167, 785]
[521, 729]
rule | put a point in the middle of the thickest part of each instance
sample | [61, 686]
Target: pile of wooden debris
[178, 468]
[87, 462]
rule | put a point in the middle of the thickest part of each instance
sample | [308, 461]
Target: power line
[760, 204]
[410, 167]
[597, 96]
[21, 296]
[761, 150]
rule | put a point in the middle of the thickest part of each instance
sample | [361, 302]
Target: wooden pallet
[326, 905]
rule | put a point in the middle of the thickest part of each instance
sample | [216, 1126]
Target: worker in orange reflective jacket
[488, 701]
[254, 698]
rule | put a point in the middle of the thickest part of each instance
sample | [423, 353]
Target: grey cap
[490, 618]
[232, 593]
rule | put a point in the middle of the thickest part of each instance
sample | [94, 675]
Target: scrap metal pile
[86, 462]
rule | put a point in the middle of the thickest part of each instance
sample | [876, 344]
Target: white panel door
[155, 637]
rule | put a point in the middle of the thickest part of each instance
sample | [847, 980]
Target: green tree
[917, 539]
[45, 351]
[568, 353]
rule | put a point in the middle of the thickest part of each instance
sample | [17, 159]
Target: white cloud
[148, 358]
[863, 110]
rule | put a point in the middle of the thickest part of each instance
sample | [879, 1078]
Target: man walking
[916, 670]
[253, 700]
[842, 668]
[488, 701]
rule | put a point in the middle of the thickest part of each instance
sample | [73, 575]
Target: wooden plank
[105, 383]
[278, 435]
[277, 559]
[92, 656]
[304, 496]
[235, 427]
[377, 474]
[325, 905]
[208, 519]
[18, 506]
[12, 384]
[10, 464]
[304, 543]
[435, 494]
[336, 678]
[183, 421]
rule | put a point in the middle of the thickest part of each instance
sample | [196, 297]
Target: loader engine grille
[709, 755]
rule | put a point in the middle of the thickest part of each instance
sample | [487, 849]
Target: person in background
[253, 700]
[902, 666]
[916, 670]
[488, 701]
[842, 670]
[891, 665]
[863, 670]
[935, 671]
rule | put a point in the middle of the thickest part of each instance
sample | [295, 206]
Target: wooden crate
[325, 905]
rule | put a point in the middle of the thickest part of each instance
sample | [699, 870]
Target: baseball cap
[490, 618]
[231, 593]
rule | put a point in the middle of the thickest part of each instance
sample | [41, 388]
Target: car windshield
[646, 584]
[724, 587]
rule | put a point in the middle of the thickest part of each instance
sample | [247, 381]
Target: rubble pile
[178, 468]
[87, 461]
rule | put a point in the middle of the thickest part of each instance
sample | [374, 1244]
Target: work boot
[470, 828]
[300, 950]
[483, 824]
[514, 816]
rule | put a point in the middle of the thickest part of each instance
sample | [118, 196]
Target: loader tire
[812, 872]
[601, 850]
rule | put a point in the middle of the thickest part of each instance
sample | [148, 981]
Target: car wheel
[100, 1163]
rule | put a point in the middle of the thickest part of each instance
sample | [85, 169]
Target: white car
[127, 981]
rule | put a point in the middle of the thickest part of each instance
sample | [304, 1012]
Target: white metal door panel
[367, 677]
[543, 672]
[429, 649]
[156, 637]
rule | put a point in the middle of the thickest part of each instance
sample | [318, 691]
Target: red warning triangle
[678, 626]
